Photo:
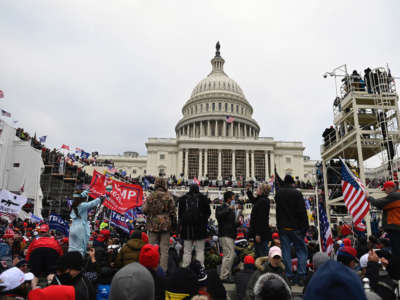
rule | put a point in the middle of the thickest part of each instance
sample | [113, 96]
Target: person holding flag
[79, 232]
[391, 214]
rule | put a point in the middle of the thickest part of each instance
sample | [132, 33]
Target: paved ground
[230, 289]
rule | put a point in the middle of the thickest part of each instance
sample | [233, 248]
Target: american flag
[325, 231]
[111, 169]
[1, 94]
[354, 195]
[5, 113]
[42, 139]
[229, 119]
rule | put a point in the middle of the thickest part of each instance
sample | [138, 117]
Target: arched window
[207, 107]
[226, 106]
[213, 107]
[231, 107]
[195, 109]
[219, 106]
[242, 110]
[201, 107]
[237, 108]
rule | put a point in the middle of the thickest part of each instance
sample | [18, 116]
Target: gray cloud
[106, 75]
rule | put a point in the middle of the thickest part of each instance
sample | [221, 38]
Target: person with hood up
[334, 281]
[193, 213]
[130, 251]
[292, 223]
[42, 253]
[132, 282]
[259, 220]
[161, 218]
[270, 264]
[391, 214]
[79, 231]
[272, 286]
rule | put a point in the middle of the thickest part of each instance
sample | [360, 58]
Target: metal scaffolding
[366, 124]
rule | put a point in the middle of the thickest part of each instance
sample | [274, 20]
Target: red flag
[123, 196]
[65, 147]
[1, 94]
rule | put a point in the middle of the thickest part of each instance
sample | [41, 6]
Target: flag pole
[317, 207]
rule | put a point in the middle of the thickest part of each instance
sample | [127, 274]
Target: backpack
[192, 215]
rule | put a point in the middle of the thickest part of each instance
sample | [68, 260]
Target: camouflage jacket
[160, 211]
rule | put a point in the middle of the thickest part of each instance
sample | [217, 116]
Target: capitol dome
[217, 107]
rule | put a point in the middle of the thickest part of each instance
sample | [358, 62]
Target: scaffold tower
[366, 125]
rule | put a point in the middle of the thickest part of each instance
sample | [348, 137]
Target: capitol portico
[217, 137]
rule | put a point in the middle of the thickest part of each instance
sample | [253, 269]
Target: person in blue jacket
[79, 231]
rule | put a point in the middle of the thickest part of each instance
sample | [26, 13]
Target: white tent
[20, 166]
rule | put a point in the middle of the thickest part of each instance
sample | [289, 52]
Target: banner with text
[11, 203]
[58, 224]
[122, 197]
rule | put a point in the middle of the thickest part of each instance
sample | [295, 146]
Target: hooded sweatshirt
[129, 252]
[132, 282]
[335, 281]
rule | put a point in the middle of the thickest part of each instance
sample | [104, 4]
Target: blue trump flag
[59, 224]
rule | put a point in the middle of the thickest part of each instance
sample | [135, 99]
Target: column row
[217, 128]
[214, 164]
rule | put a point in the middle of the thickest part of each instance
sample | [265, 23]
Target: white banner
[11, 203]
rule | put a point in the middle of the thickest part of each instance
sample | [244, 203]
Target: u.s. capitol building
[217, 137]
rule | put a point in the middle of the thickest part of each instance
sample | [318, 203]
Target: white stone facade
[218, 137]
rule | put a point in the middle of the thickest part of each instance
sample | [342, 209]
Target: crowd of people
[178, 255]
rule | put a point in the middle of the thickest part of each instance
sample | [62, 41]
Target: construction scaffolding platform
[366, 124]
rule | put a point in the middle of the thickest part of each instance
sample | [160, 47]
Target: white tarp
[11, 203]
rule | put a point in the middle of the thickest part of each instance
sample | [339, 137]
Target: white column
[231, 129]
[245, 130]
[233, 165]
[201, 128]
[266, 167]
[208, 128]
[224, 129]
[272, 157]
[200, 174]
[205, 162]
[179, 163]
[186, 163]
[216, 128]
[219, 164]
[253, 171]
[247, 165]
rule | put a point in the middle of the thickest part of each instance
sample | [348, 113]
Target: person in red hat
[149, 257]
[242, 277]
[347, 255]
[43, 253]
[391, 214]
[275, 240]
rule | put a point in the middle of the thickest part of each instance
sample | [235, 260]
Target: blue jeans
[297, 238]
[261, 249]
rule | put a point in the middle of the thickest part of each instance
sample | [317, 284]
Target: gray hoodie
[132, 282]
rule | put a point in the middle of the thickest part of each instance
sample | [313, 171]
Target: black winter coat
[290, 209]
[226, 221]
[194, 231]
[242, 278]
[84, 289]
[259, 218]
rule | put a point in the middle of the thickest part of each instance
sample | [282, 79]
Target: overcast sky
[106, 75]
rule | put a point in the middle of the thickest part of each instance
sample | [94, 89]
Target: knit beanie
[149, 256]
[248, 260]
[59, 292]
[73, 260]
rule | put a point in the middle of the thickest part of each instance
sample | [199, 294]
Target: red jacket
[44, 242]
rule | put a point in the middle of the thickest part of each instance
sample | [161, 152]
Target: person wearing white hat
[14, 282]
